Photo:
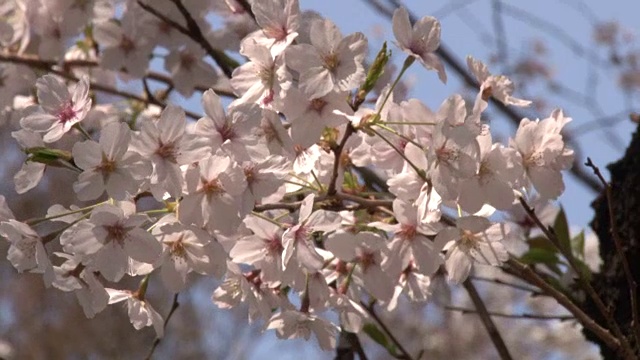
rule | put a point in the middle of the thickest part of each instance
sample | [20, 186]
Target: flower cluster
[266, 195]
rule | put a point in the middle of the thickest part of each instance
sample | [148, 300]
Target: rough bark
[611, 283]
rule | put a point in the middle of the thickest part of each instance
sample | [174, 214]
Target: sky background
[468, 29]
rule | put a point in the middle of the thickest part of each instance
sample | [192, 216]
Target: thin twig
[586, 285]
[193, 31]
[494, 334]
[363, 203]
[34, 61]
[526, 273]
[370, 308]
[533, 292]
[49, 66]
[156, 342]
[631, 283]
[337, 152]
[512, 316]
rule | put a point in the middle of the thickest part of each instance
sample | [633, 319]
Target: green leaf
[541, 242]
[539, 256]
[48, 156]
[546, 257]
[561, 229]
[378, 336]
[375, 72]
[577, 244]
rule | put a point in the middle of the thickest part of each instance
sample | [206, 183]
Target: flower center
[227, 132]
[177, 249]
[331, 61]
[212, 187]
[167, 152]
[116, 233]
[407, 232]
[317, 105]
[127, 45]
[66, 112]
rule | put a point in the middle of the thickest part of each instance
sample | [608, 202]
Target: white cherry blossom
[60, 107]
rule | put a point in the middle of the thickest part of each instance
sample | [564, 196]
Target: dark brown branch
[337, 154]
[526, 273]
[370, 308]
[193, 31]
[524, 316]
[528, 289]
[494, 334]
[584, 283]
[615, 234]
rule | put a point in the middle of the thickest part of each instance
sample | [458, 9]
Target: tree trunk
[610, 282]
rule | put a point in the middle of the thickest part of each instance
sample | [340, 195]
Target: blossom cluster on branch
[268, 195]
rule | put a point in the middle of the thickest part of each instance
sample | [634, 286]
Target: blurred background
[581, 56]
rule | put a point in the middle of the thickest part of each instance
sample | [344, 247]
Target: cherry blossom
[60, 107]
[419, 41]
[544, 153]
[330, 62]
[108, 165]
[474, 239]
[311, 186]
[109, 238]
[140, 311]
[293, 324]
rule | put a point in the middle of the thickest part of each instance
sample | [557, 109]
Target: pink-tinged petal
[377, 283]
[499, 194]
[120, 184]
[288, 244]
[458, 266]
[323, 220]
[250, 250]
[213, 108]
[316, 82]
[402, 27]
[472, 196]
[90, 185]
[173, 279]
[171, 124]
[52, 93]
[306, 208]
[548, 182]
[111, 261]
[114, 140]
[87, 154]
[38, 121]
[428, 28]
[426, 256]
[325, 36]
[108, 33]
[80, 240]
[308, 257]
[116, 296]
[142, 246]
[474, 224]
[28, 176]
[56, 132]
[343, 245]
[432, 62]
[190, 209]
[301, 57]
